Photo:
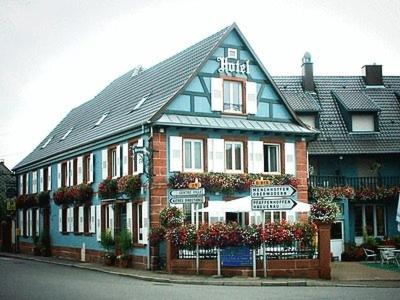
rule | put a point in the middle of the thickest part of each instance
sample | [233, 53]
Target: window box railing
[357, 183]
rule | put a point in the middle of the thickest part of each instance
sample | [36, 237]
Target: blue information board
[236, 257]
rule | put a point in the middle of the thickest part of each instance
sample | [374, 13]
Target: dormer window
[308, 120]
[47, 142]
[140, 103]
[67, 134]
[363, 122]
[101, 119]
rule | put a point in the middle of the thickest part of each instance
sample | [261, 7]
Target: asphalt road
[21, 279]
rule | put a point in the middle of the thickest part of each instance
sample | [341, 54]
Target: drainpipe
[149, 170]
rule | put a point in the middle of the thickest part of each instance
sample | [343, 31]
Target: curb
[260, 283]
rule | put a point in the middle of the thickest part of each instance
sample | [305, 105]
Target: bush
[353, 253]
[107, 241]
[129, 185]
[108, 188]
[156, 235]
[125, 241]
[324, 210]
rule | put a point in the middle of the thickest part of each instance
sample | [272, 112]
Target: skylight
[101, 119]
[66, 134]
[47, 142]
[139, 104]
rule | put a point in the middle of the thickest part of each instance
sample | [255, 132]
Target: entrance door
[337, 241]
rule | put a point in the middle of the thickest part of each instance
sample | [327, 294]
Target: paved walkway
[343, 274]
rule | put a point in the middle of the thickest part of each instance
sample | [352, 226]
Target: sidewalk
[351, 274]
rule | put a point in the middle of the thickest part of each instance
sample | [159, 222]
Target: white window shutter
[216, 148]
[92, 224]
[104, 163]
[290, 159]
[60, 219]
[80, 170]
[21, 184]
[41, 180]
[71, 172]
[30, 222]
[27, 183]
[118, 159]
[145, 217]
[21, 220]
[80, 218]
[139, 158]
[125, 159]
[111, 219]
[58, 175]
[91, 171]
[68, 219]
[34, 182]
[37, 222]
[129, 217]
[49, 178]
[251, 96]
[255, 156]
[98, 222]
[175, 154]
[67, 182]
[217, 99]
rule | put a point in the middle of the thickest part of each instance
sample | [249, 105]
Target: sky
[57, 54]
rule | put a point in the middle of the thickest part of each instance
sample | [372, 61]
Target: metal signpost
[189, 196]
[271, 197]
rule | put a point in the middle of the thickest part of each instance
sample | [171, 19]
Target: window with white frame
[114, 163]
[192, 155]
[234, 157]
[275, 216]
[272, 158]
[232, 53]
[233, 101]
[363, 122]
[369, 218]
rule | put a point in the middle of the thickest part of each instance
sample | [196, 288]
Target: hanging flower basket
[108, 189]
[324, 210]
[129, 185]
[171, 217]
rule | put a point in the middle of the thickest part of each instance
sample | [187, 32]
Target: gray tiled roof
[232, 123]
[355, 101]
[302, 101]
[334, 137]
[163, 81]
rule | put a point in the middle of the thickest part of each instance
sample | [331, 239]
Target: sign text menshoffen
[272, 191]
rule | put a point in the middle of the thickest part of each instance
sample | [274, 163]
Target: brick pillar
[301, 171]
[158, 188]
[324, 250]
[159, 185]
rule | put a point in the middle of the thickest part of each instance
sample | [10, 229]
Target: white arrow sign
[187, 192]
[273, 204]
[189, 200]
[271, 191]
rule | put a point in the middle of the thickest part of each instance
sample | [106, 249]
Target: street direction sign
[273, 204]
[187, 200]
[187, 192]
[272, 191]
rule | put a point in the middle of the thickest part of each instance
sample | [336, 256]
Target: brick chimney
[372, 74]
[307, 73]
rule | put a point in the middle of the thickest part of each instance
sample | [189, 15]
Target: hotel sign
[233, 67]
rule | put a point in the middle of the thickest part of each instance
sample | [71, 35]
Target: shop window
[234, 157]
[193, 155]
[275, 216]
[233, 95]
[272, 158]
